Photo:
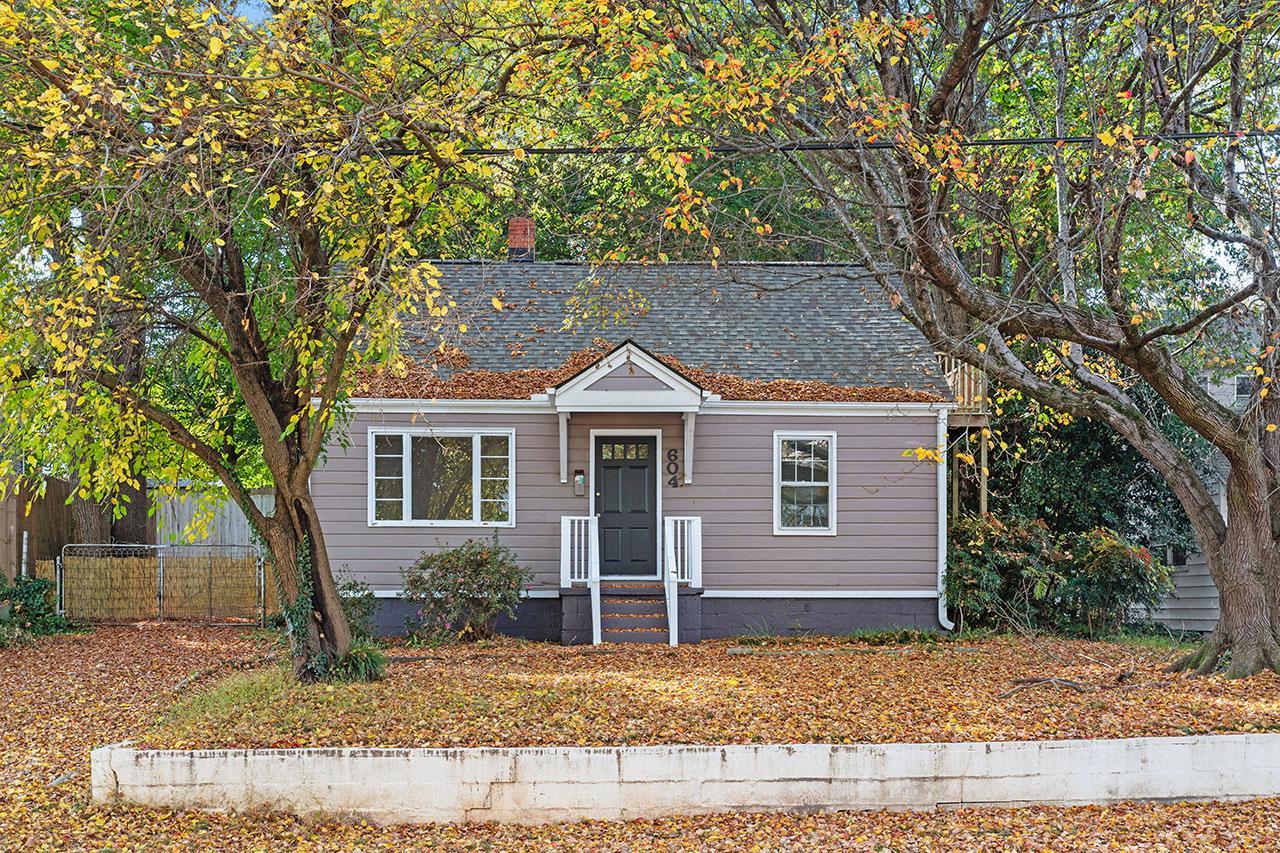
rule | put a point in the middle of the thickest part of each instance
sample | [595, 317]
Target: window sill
[461, 525]
[824, 531]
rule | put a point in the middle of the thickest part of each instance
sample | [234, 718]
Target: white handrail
[671, 586]
[580, 561]
[593, 578]
[683, 539]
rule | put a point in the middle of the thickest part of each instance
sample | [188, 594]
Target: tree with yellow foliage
[245, 202]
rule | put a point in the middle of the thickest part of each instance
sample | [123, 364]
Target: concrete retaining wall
[535, 785]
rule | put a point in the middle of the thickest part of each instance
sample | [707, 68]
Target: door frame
[656, 435]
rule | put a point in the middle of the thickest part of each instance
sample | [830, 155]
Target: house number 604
[673, 468]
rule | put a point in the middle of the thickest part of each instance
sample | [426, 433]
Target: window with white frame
[1244, 386]
[804, 487]
[442, 477]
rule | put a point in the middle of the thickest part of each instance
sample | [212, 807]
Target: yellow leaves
[923, 454]
[216, 46]
[1271, 427]
[496, 303]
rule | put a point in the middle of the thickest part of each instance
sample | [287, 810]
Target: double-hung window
[452, 478]
[804, 484]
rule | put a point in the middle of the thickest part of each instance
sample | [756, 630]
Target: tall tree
[1074, 269]
[205, 217]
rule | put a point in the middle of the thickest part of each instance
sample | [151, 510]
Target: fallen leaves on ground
[69, 694]
[536, 694]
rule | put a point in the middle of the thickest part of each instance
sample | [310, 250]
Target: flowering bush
[463, 590]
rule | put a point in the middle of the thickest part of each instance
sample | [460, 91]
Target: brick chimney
[520, 242]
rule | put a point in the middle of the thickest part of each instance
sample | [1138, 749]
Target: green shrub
[1111, 580]
[365, 661]
[1003, 573]
[12, 635]
[360, 605]
[1016, 573]
[464, 589]
[31, 608]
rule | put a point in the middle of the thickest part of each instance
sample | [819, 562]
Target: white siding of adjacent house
[1193, 603]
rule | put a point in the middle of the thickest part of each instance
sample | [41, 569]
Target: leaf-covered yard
[519, 694]
[68, 694]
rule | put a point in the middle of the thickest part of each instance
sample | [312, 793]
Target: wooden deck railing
[968, 385]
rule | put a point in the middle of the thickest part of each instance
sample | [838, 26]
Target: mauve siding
[377, 554]
[886, 505]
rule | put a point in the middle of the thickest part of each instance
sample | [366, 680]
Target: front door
[627, 505]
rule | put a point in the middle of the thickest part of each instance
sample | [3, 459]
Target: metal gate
[129, 583]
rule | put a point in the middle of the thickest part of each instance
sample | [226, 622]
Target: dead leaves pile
[66, 695]
[535, 694]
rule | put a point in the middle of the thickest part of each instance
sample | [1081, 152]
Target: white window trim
[778, 437]
[474, 433]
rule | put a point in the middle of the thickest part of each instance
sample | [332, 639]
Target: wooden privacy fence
[211, 583]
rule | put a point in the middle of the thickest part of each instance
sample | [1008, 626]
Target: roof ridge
[502, 262]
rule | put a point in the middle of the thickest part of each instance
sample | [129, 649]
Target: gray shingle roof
[803, 321]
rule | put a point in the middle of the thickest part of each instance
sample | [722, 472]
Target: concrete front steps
[633, 612]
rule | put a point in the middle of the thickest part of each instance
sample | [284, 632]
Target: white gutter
[942, 521]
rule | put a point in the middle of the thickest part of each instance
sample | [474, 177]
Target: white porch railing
[580, 561]
[682, 536]
[682, 563]
[579, 548]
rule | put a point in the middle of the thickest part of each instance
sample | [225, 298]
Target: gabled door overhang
[629, 379]
[653, 386]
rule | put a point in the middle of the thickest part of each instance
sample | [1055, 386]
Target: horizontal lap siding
[886, 505]
[1193, 603]
[377, 554]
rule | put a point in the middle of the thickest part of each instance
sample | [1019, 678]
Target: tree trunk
[132, 528]
[314, 619]
[1245, 568]
[89, 523]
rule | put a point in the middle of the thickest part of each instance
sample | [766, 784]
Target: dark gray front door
[626, 504]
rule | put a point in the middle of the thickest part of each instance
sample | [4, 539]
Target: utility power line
[826, 145]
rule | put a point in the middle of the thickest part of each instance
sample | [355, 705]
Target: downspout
[946, 623]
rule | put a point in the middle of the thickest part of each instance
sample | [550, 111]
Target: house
[748, 448]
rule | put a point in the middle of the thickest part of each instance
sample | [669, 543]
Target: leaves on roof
[447, 380]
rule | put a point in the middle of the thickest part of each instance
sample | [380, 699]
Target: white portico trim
[643, 383]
